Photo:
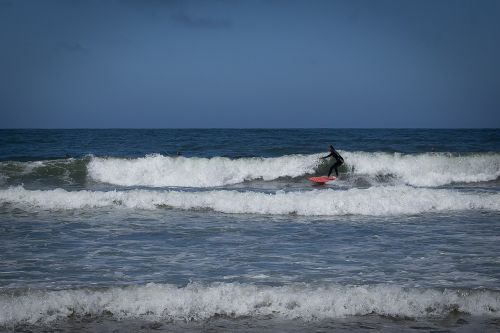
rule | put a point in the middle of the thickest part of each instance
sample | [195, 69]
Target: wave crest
[423, 170]
[428, 169]
[158, 170]
[201, 302]
[374, 201]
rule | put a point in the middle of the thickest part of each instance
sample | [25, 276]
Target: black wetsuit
[338, 162]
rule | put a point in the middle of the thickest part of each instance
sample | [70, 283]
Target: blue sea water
[217, 229]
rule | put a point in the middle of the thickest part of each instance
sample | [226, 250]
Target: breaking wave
[423, 170]
[374, 201]
[428, 169]
[201, 302]
[158, 170]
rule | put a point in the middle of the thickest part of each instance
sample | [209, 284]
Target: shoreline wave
[201, 302]
[374, 201]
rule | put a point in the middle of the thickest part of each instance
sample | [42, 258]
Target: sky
[241, 64]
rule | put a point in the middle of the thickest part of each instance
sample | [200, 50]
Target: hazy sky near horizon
[232, 63]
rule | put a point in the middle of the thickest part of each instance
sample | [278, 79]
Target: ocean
[193, 230]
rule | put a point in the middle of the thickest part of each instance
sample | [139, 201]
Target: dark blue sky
[153, 63]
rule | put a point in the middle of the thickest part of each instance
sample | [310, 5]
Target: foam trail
[374, 201]
[428, 169]
[158, 170]
[201, 302]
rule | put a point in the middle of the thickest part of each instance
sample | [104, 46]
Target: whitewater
[422, 170]
[419, 170]
[375, 201]
[113, 230]
[201, 302]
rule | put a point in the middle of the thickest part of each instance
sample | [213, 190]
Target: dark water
[21, 145]
[104, 230]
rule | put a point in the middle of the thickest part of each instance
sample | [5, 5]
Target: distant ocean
[220, 230]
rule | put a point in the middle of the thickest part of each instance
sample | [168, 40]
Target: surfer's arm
[331, 154]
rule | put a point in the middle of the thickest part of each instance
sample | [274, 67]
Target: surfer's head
[331, 148]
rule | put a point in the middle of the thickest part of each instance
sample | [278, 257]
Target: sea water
[197, 230]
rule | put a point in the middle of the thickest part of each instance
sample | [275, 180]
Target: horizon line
[245, 128]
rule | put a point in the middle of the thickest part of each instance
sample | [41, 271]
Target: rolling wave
[374, 201]
[158, 170]
[429, 169]
[423, 170]
[201, 302]
[49, 172]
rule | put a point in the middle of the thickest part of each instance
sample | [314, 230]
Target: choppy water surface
[111, 229]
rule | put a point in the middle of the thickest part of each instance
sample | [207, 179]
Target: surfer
[338, 161]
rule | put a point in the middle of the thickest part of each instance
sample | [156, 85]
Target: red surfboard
[322, 179]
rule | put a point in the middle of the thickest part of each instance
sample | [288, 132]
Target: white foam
[429, 169]
[158, 170]
[200, 302]
[374, 201]
[426, 170]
